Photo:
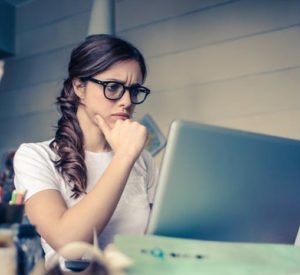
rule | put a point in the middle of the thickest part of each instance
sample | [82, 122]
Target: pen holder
[11, 213]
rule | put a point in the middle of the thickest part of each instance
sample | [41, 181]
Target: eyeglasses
[114, 90]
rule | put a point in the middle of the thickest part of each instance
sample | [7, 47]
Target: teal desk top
[163, 255]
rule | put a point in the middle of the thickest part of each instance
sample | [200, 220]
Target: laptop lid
[228, 185]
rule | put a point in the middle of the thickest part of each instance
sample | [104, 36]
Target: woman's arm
[59, 225]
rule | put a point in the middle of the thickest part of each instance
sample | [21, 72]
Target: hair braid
[68, 142]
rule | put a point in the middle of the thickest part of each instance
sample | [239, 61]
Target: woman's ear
[78, 87]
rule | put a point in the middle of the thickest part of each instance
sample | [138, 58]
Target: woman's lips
[122, 116]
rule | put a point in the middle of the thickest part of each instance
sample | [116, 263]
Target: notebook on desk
[227, 185]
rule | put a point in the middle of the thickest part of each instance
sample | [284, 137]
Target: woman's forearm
[93, 211]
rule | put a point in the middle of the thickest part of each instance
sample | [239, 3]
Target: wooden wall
[233, 63]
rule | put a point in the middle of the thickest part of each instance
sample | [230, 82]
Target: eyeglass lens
[114, 90]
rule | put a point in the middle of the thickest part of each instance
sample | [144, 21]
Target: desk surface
[162, 255]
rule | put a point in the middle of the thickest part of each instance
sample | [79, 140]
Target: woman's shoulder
[35, 150]
[34, 168]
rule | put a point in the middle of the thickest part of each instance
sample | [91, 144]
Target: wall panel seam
[224, 80]
[57, 20]
[29, 114]
[57, 81]
[267, 113]
[224, 41]
[49, 80]
[121, 31]
[34, 55]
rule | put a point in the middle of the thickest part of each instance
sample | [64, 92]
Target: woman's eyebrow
[120, 81]
[115, 79]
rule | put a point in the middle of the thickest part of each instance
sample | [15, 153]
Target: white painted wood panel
[137, 13]
[222, 23]
[59, 34]
[33, 99]
[30, 128]
[36, 69]
[253, 55]
[42, 12]
[284, 124]
[231, 63]
[257, 95]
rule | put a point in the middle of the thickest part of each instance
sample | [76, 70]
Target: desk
[162, 255]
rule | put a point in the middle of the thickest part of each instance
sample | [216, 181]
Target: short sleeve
[152, 175]
[34, 170]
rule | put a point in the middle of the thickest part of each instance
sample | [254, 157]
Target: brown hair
[94, 55]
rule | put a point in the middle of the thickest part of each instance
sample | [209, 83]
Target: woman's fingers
[103, 125]
[126, 137]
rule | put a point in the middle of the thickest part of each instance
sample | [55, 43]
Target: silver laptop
[227, 185]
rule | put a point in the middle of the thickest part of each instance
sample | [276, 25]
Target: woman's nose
[125, 99]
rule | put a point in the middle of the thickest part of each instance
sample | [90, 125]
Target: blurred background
[233, 63]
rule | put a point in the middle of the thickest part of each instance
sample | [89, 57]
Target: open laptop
[227, 185]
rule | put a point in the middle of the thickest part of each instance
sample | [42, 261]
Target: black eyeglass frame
[146, 91]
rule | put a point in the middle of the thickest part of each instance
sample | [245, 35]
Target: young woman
[94, 173]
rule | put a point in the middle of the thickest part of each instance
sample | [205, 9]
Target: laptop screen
[228, 185]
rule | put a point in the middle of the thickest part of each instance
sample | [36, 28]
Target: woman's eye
[113, 87]
[134, 92]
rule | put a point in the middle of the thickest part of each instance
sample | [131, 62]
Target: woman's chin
[111, 123]
[114, 119]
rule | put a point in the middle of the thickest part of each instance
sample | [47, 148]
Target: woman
[94, 173]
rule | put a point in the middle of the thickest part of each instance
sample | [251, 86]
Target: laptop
[227, 185]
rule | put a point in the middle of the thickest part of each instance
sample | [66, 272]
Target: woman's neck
[95, 145]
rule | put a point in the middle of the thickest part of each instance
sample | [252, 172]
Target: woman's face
[92, 94]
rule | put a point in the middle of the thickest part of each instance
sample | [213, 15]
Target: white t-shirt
[35, 172]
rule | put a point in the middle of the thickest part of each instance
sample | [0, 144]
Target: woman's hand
[127, 137]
